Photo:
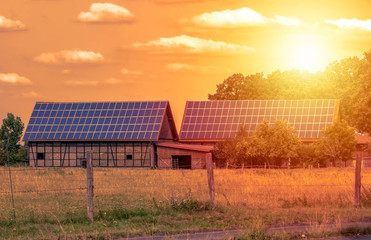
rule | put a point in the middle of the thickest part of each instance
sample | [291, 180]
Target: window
[129, 157]
[40, 156]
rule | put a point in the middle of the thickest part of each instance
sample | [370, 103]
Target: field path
[228, 234]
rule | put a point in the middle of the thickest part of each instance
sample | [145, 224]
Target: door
[181, 161]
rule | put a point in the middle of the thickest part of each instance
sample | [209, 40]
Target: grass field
[51, 203]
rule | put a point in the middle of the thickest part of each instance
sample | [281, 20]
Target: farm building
[143, 134]
[120, 134]
[207, 122]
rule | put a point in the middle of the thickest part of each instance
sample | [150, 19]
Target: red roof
[198, 148]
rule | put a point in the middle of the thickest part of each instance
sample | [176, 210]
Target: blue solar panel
[213, 120]
[96, 121]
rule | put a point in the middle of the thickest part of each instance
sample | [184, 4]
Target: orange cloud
[81, 83]
[93, 82]
[70, 57]
[183, 67]
[11, 25]
[106, 13]
[14, 78]
[189, 44]
[178, 1]
[125, 71]
[112, 81]
[242, 17]
[353, 23]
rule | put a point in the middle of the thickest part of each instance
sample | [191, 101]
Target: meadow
[51, 203]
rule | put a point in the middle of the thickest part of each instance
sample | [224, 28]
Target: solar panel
[214, 120]
[96, 121]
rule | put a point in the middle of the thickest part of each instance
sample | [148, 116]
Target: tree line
[278, 145]
[348, 80]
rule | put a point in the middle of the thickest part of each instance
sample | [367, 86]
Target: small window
[40, 156]
[129, 157]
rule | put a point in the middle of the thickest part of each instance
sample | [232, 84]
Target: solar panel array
[96, 121]
[213, 120]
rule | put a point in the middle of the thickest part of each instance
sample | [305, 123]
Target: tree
[272, 145]
[348, 80]
[235, 151]
[223, 152]
[351, 79]
[10, 135]
[276, 144]
[339, 142]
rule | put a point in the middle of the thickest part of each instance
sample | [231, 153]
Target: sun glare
[306, 53]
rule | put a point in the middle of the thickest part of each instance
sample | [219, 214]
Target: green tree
[348, 80]
[309, 155]
[223, 153]
[10, 135]
[339, 142]
[236, 152]
[276, 144]
[351, 79]
[272, 145]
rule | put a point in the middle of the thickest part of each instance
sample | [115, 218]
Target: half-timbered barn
[119, 134]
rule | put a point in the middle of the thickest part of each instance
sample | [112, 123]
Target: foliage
[272, 145]
[338, 143]
[3, 158]
[10, 135]
[348, 80]
[309, 155]
[223, 152]
[277, 144]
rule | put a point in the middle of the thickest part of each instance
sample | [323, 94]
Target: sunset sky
[176, 50]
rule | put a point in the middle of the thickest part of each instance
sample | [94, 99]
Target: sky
[176, 50]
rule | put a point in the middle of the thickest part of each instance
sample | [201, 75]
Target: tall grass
[143, 196]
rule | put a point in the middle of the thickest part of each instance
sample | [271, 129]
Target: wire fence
[63, 190]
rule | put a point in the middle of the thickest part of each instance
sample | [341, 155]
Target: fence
[42, 192]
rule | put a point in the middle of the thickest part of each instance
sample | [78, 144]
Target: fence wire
[235, 185]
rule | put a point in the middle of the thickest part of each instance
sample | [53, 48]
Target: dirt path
[225, 234]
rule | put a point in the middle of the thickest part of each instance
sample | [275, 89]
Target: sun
[305, 52]
[306, 56]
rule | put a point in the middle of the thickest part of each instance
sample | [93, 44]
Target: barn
[120, 134]
[207, 122]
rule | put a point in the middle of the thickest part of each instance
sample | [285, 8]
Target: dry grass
[153, 201]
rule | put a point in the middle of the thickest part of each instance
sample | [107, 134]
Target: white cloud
[353, 23]
[14, 78]
[81, 83]
[242, 17]
[189, 44]
[70, 57]
[183, 67]
[286, 21]
[11, 25]
[106, 13]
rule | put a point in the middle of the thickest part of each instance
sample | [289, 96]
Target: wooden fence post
[90, 186]
[210, 177]
[357, 180]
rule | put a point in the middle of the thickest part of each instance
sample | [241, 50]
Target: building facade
[119, 134]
